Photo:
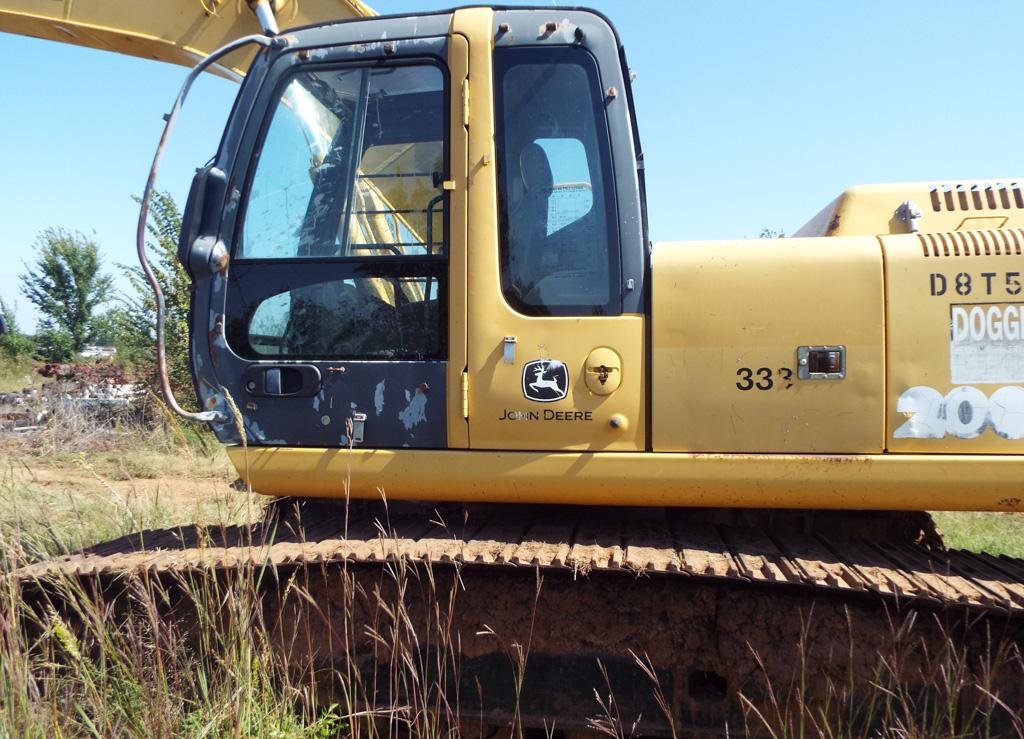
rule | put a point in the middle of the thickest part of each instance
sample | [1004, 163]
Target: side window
[559, 239]
[356, 318]
[347, 188]
[350, 165]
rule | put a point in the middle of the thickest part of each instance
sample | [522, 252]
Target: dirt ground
[54, 501]
[175, 489]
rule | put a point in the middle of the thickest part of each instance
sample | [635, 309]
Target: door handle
[282, 380]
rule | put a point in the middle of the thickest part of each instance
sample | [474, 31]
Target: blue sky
[752, 114]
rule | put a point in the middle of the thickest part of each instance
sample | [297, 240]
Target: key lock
[603, 371]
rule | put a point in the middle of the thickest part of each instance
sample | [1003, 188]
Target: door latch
[821, 362]
[358, 427]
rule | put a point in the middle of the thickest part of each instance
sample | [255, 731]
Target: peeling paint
[416, 412]
[378, 397]
[254, 431]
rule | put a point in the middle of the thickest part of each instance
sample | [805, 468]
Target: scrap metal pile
[100, 386]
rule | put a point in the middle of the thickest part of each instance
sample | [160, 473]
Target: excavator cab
[423, 241]
[406, 211]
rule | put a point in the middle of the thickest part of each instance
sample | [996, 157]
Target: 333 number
[764, 378]
[964, 413]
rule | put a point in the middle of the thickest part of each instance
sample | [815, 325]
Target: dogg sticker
[545, 380]
[987, 343]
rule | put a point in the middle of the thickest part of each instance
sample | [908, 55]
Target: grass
[86, 479]
[49, 515]
[995, 533]
[17, 374]
[73, 663]
[77, 663]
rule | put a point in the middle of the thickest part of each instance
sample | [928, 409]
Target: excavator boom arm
[174, 31]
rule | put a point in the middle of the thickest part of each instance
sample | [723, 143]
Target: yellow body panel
[175, 31]
[500, 417]
[944, 206]
[942, 380]
[866, 482]
[728, 319]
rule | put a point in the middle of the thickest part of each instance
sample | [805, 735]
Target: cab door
[328, 325]
[555, 361]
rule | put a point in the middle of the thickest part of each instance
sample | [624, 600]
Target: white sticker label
[987, 343]
[963, 413]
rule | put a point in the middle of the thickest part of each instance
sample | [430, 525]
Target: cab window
[559, 239]
[342, 251]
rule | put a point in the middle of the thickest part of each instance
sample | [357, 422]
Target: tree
[13, 344]
[66, 285]
[136, 319]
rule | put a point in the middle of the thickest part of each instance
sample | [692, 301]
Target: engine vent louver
[986, 196]
[982, 243]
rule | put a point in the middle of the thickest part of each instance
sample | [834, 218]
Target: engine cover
[729, 321]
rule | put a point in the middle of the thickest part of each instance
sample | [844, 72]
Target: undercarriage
[655, 622]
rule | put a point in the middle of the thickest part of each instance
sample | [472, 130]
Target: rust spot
[213, 335]
[1009, 502]
[833, 226]
[211, 402]
[422, 387]
[837, 458]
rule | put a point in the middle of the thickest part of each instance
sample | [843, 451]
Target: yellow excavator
[422, 280]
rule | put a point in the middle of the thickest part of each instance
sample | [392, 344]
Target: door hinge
[465, 102]
[465, 394]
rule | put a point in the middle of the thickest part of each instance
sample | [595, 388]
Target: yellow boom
[175, 31]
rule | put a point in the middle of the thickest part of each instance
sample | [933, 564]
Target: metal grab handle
[140, 234]
[430, 221]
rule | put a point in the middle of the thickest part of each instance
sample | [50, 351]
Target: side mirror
[202, 211]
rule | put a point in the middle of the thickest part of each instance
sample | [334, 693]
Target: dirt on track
[581, 634]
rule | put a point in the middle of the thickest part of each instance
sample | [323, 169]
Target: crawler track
[718, 606]
[573, 540]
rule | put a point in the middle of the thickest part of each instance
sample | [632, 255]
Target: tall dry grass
[253, 652]
[329, 651]
[953, 686]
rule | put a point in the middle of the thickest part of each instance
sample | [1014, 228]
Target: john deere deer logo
[545, 380]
